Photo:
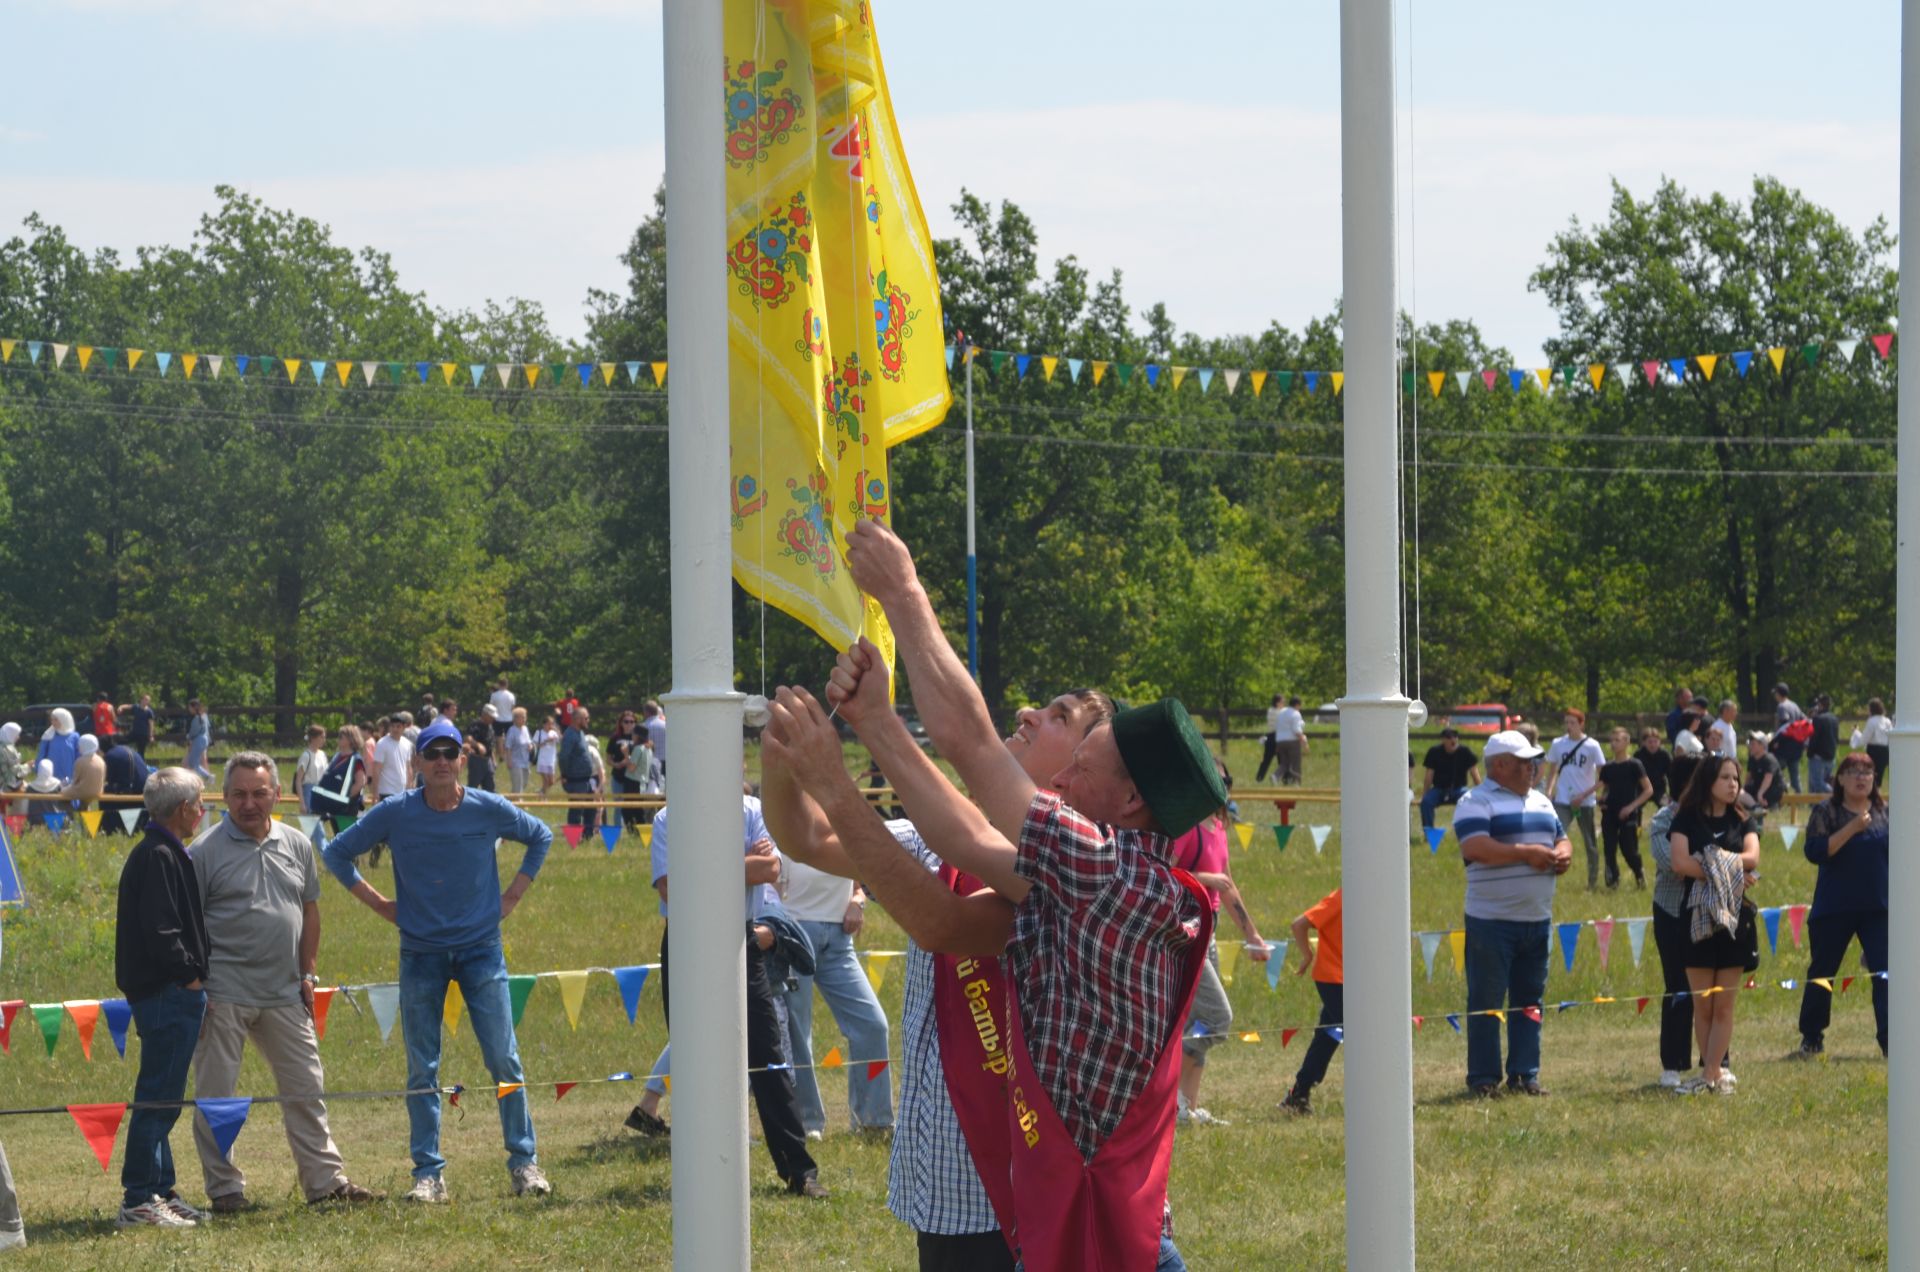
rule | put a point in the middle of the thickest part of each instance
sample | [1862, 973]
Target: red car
[1480, 717]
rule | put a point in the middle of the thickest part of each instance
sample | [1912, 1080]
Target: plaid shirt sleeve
[1063, 854]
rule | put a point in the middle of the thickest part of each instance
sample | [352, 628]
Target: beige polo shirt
[254, 894]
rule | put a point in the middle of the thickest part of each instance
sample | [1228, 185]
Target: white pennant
[1625, 371]
[1636, 937]
[128, 817]
[59, 355]
[1463, 377]
[1846, 349]
[385, 1001]
[504, 371]
[214, 363]
[369, 370]
[1233, 381]
[1789, 836]
[1320, 834]
[1429, 946]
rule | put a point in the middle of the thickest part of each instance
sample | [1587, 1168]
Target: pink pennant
[16, 825]
[1418, 1021]
[573, 831]
[1796, 916]
[1652, 371]
[1603, 936]
[1486, 378]
[1882, 344]
[1531, 1013]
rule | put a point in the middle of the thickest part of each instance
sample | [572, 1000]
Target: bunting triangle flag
[1789, 836]
[1312, 379]
[1430, 946]
[1073, 369]
[573, 831]
[47, 1016]
[518, 988]
[134, 356]
[646, 835]
[129, 818]
[60, 355]
[533, 370]
[1153, 375]
[610, 834]
[86, 1015]
[85, 354]
[1245, 831]
[1640, 1006]
[341, 821]
[56, 821]
[949, 357]
[1707, 363]
[1824, 982]
[1847, 349]
[448, 368]
[504, 371]
[1339, 378]
[501, 1090]
[1770, 919]
[322, 1003]
[1624, 370]
[1206, 378]
[1569, 939]
[16, 824]
[342, 371]
[1846, 983]
[1741, 361]
[1280, 836]
[1679, 367]
[1453, 1018]
[633, 372]
[225, 1117]
[1320, 834]
[90, 818]
[876, 971]
[995, 360]
[1286, 1036]
[8, 1010]
[33, 353]
[6, 350]
[586, 375]
[631, 981]
[1811, 352]
[1597, 372]
[1652, 371]
[875, 1068]
[385, 1001]
[293, 368]
[1457, 946]
[1229, 960]
[1284, 379]
[1883, 345]
[1464, 378]
[1435, 835]
[560, 1090]
[108, 354]
[476, 370]
[1531, 1013]
[1636, 938]
[451, 1009]
[368, 370]
[1515, 378]
[1276, 963]
[118, 1013]
[659, 370]
[1778, 356]
[1487, 375]
[1259, 379]
[99, 1125]
[1020, 364]
[240, 364]
[573, 988]
[1546, 377]
[1796, 917]
[1603, 938]
[1099, 372]
[832, 1060]
[308, 824]
[1436, 380]
[607, 371]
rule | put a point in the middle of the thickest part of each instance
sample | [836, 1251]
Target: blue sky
[500, 149]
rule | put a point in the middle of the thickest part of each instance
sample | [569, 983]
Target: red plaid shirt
[1096, 958]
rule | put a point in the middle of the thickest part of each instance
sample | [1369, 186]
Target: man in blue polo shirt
[448, 906]
[1515, 848]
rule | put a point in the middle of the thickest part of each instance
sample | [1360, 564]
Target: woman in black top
[1710, 822]
[1625, 788]
[620, 761]
[1656, 760]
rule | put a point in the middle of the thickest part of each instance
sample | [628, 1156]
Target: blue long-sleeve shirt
[446, 881]
[1856, 877]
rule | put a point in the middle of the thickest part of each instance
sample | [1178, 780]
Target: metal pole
[973, 580]
[707, 932]
[1373, 714]
[1903, 952]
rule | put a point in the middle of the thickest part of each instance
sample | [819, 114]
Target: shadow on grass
[619, 1145]
[66, 1231]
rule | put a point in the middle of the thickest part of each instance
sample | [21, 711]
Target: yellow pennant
[1602, 999]
[91, 819]
[1498, 1014]
[659, 374]
[533, 374]
[1245, 831]
[1546, 376]
[188, 361]
[876, 971]
[451, 1012]
[6, 350]
[606, 372]
[134, 356]
[293, 368]
[1707, 361]
[86, 355]
[504, 1089]
[1777, 356]
[646, 835]
[1047, 365]
[666, 1080]
[1099, 372]
[343, 370]
[1436, 380]
[1179, 374]
[1457, 942]
[1597, 372]
[832, 1059]
[1824, 982]
[1339, 378]
[1259, 379]
[1229, 959]
[1251, 1035]
[446, 372]
[573, 988]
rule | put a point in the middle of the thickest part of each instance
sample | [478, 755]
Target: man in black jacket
[160, 964]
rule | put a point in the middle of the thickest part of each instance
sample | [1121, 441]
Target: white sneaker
[1200, 1117]
[185, 1211]
[429, 1190]
[152, 1213]
[1726, 1076]
[1669, 1078]
[816, 1136]
[12, 1238]
[1725, 1086]
[530, 1181]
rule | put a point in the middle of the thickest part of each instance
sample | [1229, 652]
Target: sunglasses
[441, 753]
[1857, 770]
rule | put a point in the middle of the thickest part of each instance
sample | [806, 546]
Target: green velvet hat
[1170, 764]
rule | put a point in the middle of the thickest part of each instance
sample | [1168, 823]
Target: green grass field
[1607, 1172]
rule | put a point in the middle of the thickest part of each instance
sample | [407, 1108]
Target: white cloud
[337, 14]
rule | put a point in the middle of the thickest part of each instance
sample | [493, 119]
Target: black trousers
[1621, 839]
[773, 1094]
[1676, 1014]
[1827, 939]
[631, 817]
[969, 1252]
[1313, 1067]
[1881, 755]
[1266, 758]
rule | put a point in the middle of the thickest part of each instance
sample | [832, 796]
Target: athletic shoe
[1526, 1086]
[428, 1190]
[1727, 1076]
[185, 1211]
[151, 1213]
[531, 1181]
[1807, 1051]
[648, 1123]
[12, 1238]
[1485, 1090]
[1298, 1102]
[1200, 1117]
[816, 1136]
[1669, 1078]
[1725, 1086]
[1692, 1086]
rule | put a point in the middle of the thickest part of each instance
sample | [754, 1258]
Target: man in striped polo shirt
[1515, 848]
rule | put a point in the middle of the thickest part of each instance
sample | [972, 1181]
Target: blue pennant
[1679, 366]
[1020, 361]
[1453, 1018]
[119, 1014]
[165, 360]
[56, 822]
[1516, 378]
[319, 371]
[1206, 378]
[586, 374]
[949, 357]
[1073, 370]
[610, 835]
[1563, 1004]
[633, 373]
[1569, 941]
[1313, 380]
[33, 351]
[1741, 361]
[224, 1119]
[1435, 835]
[1772, 917]
[1153, 374]
[1337, 1033]
[240, 361]
[476, 370]
[622, 1076]
[631, 981]
[423, 368]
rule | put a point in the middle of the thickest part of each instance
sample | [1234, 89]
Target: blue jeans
[857, 1011]
[1506, 967]
[1819, 775]
[169, 1025]
[481, 971]
[1170, 1260]
[1433, 799]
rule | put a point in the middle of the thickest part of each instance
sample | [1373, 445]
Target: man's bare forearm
[958, 832]
[799, 826]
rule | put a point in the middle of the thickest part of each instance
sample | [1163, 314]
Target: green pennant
[1125, 369]
[1811, 352]
[106, 357]
[518, 987]
[995, 360]
[394, 373]
[1286, 380]
[48, 1017]
[1406, 382]
[1566, 375]
[1281, 834]
[558, 370]
[343, 820]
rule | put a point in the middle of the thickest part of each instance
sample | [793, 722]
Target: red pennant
[322, 999]
[1418, 1021]
[1845, 982]
[1640, 1005]
[1486, 378]
[560, 1090]
[1882, 344]
[1286, 1036]
[1531, 1013]
[453, 1098]
[1751, 982]
[1796, 917]
[1652, 371]
[99, 1123]
[16, 825]
[8, 1010]
[573, 832]
[875, 1068]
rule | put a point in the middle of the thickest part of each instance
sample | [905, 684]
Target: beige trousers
[285, 1039]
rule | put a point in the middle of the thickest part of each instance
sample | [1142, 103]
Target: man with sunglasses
[448, 906]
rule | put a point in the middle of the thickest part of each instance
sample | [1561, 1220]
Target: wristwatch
[311, 978]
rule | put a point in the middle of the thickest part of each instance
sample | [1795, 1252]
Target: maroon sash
[1057, 1211]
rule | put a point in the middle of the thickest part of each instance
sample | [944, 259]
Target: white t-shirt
[392, 755]
[1729, 737]
[312, 767]
[502, 701]
[1877, 731]
[1273, 721]
[549, 748]
[519, 746]
[1579, 767]
[814, 895]
[1288, 725]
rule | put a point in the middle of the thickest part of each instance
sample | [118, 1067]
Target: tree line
[260, 541]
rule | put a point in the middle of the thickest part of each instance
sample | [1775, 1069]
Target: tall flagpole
[1903, 894]
[1373, 714]
[707, 930]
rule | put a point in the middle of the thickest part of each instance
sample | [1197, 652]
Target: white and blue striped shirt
[1516, 891]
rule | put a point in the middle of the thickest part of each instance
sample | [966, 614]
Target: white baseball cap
[1512, 742]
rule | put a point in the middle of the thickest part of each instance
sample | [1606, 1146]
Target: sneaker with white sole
[1670, 1078]
[185, 1211]
[815, 1137]
[151, 1213]
[1197, 1116]
[1726, 1085]
[530, 1181]
[1692, 1086]
[429, 1190]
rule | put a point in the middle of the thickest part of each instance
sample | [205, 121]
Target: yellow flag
[1597, 372]
[1498, 1014]
[833, 306]
[188, 361]
[606, 372]
[533, 374]
[504, 1089]
[1707, 361]
[1436, 380]
[133, 357]
[1259, 379]
[1776, 356]
[573, 988]
[293, 368]
[446, 373]
[1339, 378]
[1179, 374]
[343, 370]
[1251, 1035]
[1099, 372]
[877, 970]
[646, 835]
[451, 1012]
[1824, 982]
[659, 374]
[1245, 831]
[1229, 959]
[1047, 365]
[1457, 943]
[1546, 376]
[90, 818]
[6, 350]
[86, 355]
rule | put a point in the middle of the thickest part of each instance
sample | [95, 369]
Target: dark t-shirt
[140, 724]
[1825, 741]
[1656, 764]
[1449, 770]
[1725, 831]
[618, 749]
[1621, 780]
[1757, 768]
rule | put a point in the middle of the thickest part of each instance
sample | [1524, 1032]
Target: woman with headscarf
[60, 743]
[43, 782]
[13, 770]
[89, 778]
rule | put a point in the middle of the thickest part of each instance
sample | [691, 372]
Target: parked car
[34, 719]
[1481, 717]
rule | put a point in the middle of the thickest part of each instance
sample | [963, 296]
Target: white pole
[707, 932]
[1373, 714]
[1903, 954]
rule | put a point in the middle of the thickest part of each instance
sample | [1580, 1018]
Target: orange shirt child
[1324, 918]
